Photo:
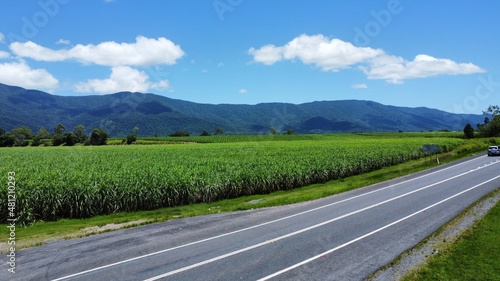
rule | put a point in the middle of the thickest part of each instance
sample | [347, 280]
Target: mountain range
[120, 113]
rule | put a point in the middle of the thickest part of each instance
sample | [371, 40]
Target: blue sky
[438, 54]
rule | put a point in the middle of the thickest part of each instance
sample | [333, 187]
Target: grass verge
[42, 232]
[474, 256]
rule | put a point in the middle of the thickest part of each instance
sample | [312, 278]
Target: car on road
[493, 150]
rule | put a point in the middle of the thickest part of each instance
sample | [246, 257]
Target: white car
[493, 150]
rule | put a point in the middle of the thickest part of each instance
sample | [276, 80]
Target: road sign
[430, 148]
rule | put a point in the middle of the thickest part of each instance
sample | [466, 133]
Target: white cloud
[329, 55]
[161, 85]
[396, 69]
[143, 52]
[123, 78]
[63, 42]
[37, 52]
[335, 54]
[4, 55]
[21, 74]
[360, 86]
[243, 91]
[2, 38]
[268, 54]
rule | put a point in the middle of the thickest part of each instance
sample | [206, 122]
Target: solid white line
[259, 225]
[300, 231]
[370, 233]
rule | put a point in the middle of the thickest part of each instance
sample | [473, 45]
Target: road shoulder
[437, 242]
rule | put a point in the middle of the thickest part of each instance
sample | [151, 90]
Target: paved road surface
[343, 237]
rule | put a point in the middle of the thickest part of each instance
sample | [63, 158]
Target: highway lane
[343, 237]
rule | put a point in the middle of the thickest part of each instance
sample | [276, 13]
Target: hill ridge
[153, 114]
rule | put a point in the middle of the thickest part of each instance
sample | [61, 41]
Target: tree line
[218, 131]
[490, 127]
[21, 136]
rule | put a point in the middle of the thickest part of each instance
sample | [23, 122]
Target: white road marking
[259, 225]
[319, 225]
[371, 233]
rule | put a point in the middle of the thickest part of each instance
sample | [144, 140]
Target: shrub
[98, 137]
[180, 134]
[131, 138]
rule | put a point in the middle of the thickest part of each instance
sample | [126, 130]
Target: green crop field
[79, 182]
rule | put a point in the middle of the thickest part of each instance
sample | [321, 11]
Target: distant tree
[493, 110]
[272, 131]
[59, 129]
[180, 134]
[205, 134]
[22, 134]
[131, 138]
[491, 127]
[40, 135]
[36, 141]
[70, 139]
[98, 137]
[2, 131]
[468, 131]
[136, 129]
[219, 131]
[7, 140]
[23, 131]
[43, 134]
[290, 132]
[79, 132]
[58, 139]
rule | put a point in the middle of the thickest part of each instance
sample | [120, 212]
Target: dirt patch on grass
[255, 201]
[22, 244]
[109, 227]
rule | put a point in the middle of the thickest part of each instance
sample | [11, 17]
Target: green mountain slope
[153, 114]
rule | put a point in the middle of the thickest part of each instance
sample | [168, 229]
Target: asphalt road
[342, 237]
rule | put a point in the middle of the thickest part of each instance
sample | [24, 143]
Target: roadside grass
[474, 256]
[42, 232]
